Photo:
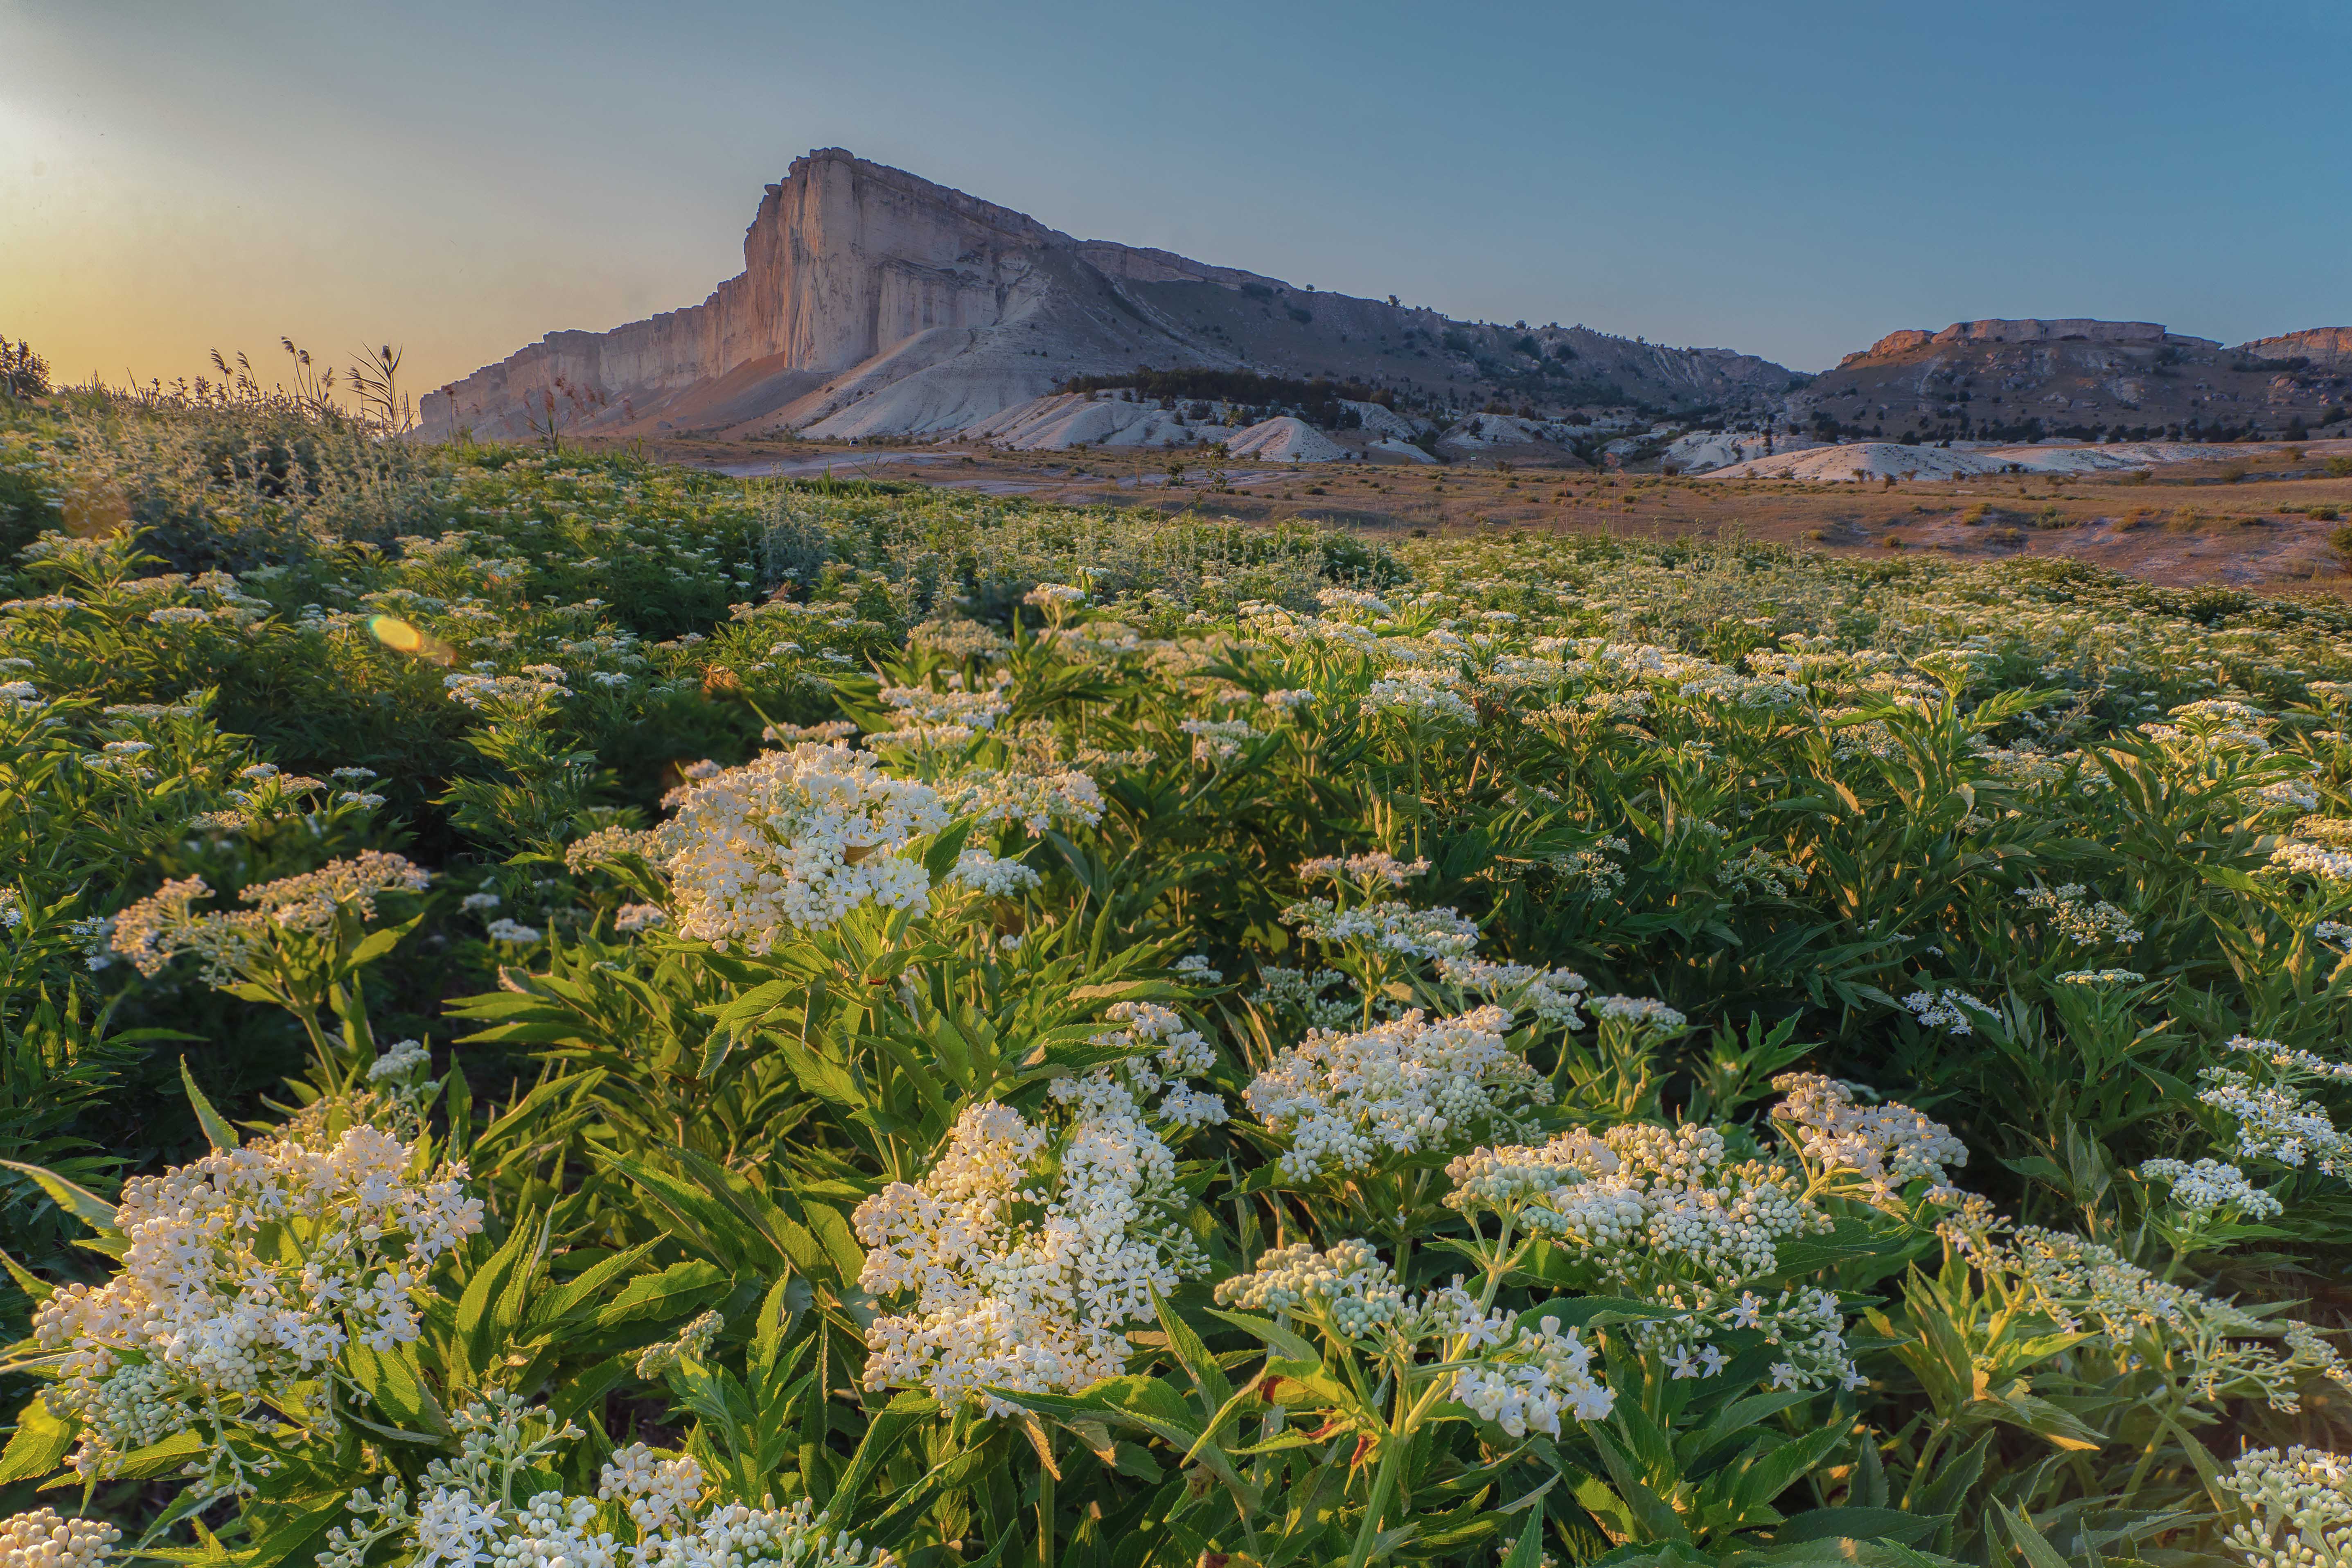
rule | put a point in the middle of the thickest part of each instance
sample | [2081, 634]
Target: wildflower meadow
[566, 1012]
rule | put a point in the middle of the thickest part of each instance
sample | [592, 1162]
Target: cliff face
[843, 259]
[873, 302]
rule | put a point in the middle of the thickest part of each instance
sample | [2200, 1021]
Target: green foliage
[2041, 852]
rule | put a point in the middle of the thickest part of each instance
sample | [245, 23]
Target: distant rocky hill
[2029, 380]
[873, 302]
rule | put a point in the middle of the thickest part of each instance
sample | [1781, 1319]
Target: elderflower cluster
[42, 1539]
[158, 928]
[1167, 1054]
[997, 878]
[1551, 994]
[1640, 1012]
[1398, 1088]
[2276, 1121]
[1030, 1248]
[2314, 860]
[2210, 1185]
[465, 1512]
[1522, 1378]
[2288, 1059]
[1428, 693]
[793, 841]
[2224, 1350]
[1377, 868]
[2297, 1508]
[1664, 1216]
[1397, 930]
[950, 718]
[991, 797]
[1886, 1145]
[244, 1273]
[2076, 917]
[1947, 1009]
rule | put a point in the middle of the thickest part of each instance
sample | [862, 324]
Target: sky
[1791, 180]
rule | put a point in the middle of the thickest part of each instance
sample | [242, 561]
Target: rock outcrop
[2077, 378]
[2329, 346]
[873, 302]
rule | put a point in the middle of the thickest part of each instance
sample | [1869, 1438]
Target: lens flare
[401, 637]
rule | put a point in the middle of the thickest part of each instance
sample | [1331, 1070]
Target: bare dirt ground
[2265, 522]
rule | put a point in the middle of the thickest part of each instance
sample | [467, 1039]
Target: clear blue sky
[1791, 180]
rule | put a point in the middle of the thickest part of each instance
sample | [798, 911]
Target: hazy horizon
[1793, 184]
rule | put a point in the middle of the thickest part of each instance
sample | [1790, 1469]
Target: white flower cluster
[1377, 868]
[2276, 1121]
[42, 1539]
[1641, 1012]
[1551, 994]
[2090, 977]
[2297, 1509]
[2314, 860]
[1527, 1383]
[1001, 1300]
[1399, 1086]
[465, 1513]
[1220, 740]
[2290, 1061]
[793, 841]
[1167, 1054]
[405, 1059]
[990, 798]
[1388, 927]
[2210, 1185]
[245, 1272]
[1947, 1009]
[1887, 1145]
[1524, 1379]
[997, 878]
[485, 692]
[2078, 919]
[151, 932]
[1663, 1214]
[1429, 693]
[948, 718]
[2224, 1350]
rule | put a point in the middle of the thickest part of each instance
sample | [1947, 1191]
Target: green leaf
[86, 1207]
[491, 1305]
[1859, 1524]
[218, 1131]
[38, 1445]
[884, 1432]
[396, 1385]
[1529, 1551]
[1273, 1334]
[2037, 1550]
[675, 1290]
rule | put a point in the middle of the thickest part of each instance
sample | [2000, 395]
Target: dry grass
[2260, 522]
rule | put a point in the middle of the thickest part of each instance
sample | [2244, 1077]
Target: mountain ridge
[874, 301]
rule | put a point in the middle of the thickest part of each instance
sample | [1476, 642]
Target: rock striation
[873, 302]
